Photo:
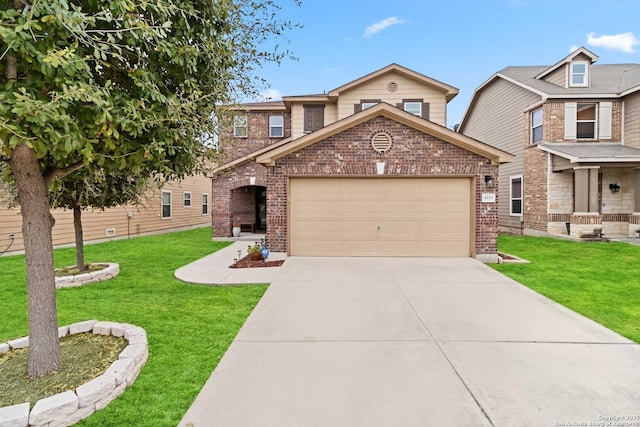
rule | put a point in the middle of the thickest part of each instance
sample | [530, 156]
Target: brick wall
[535, 189]
[230, 203]
[553, 122]
[257, 134]
[413, 153]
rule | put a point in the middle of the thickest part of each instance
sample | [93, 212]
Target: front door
[261, 208]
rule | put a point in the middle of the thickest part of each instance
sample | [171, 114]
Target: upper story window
[586, 123]
[240, 126]
[413, 107]
[579, 74]
[313, 117]
[368, 104]
[276, 126]
[364, 104]
[536, 125]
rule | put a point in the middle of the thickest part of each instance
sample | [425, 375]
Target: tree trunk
[77, 225]
[37, 222]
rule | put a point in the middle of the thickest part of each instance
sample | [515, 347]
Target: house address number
[488, 197]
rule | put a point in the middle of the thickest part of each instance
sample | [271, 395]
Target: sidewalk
[214, 269]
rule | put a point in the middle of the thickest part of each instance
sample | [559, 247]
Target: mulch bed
[247, 262]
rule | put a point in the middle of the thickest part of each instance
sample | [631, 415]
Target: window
[579, 77]
[205, 203]
[536, 125]
[166, 204]
[586, 121]
[313, 117]
[516, 196]
[240, 126]
[364, 104]
[413, 107]
[186, 199]
[276, 126]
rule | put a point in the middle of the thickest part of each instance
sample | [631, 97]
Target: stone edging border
[110, 272]
[69, 407]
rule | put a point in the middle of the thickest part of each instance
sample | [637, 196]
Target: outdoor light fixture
[488, 180]
[614, 187]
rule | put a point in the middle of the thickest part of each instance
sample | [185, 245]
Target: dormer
[573, 71]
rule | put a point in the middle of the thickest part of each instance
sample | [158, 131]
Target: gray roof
[606, 79]
[593, 151]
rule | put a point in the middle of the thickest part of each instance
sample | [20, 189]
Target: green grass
[189, 327]
[596, 279]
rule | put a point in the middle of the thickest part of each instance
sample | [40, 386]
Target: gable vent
[392, 86]
[381, 142]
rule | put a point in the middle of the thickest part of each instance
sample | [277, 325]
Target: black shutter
[400, 105]
[357, 108]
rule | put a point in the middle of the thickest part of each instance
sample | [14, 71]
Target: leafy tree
[94, 188]
[120, 85]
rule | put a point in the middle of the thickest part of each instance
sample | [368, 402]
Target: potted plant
[255, 251]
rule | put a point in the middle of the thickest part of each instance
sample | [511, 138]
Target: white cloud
[379, 26]
[623, 41]
[270, 95]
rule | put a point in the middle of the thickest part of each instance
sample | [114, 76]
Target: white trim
[585, 74]
[162, 205]
[236, 127]
[532, 127]
[272, 126]
[184, 199]
[511, 198]
[203, 204]
[404, 107]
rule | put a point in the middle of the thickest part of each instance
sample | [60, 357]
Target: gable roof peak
[449, 90]
[567, 59]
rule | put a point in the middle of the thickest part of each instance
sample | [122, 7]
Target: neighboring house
[574, 128]
[178, 205]
[368, 169]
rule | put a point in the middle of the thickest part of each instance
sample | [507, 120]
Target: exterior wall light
[488, 180]
[614, 187]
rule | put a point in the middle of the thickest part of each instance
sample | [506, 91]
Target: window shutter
[605, 120]
[425, 110]
[570, 118]
[400, 105]
[357, 108]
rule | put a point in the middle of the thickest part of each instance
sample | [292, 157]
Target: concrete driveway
[416, 342]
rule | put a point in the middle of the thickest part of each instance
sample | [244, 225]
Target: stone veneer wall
[69, 407]
[413, 154]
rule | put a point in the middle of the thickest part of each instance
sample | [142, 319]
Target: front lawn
[596, 279]
[188, 327]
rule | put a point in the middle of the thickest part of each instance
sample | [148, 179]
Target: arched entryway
[249, 208]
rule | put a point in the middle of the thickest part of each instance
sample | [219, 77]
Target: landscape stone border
[68, 408]
[111, 271]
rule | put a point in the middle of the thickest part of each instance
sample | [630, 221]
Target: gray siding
[498, 118]
[558, 77]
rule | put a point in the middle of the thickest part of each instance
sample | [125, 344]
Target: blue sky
[459, 42]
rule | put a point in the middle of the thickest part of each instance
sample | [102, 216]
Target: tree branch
[51, 174]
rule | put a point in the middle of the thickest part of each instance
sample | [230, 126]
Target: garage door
[380, 216]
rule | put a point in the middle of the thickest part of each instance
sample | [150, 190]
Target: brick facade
[257, 134]
[535, 189]
[413, 153]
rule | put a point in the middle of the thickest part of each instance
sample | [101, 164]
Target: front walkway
[214, 269]
[415, 342]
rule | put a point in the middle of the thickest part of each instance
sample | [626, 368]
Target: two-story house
[367, 169]
[574, 128]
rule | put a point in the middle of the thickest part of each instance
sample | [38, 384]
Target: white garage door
[380, 216]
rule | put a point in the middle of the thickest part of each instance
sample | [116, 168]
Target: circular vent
[381, 142]
[392, 86]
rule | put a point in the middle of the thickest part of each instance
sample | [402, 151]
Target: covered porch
[593, 189]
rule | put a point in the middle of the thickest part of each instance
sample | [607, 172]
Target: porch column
[221, 209]
[586, 190]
